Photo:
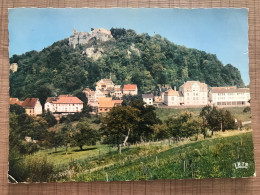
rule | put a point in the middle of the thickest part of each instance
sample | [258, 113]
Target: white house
[148, 99]
[66, 104]
[229, 96]
[172, 98]
[194, 93]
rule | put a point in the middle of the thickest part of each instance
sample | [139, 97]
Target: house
[94, 95]
[130, 89]
[66, 104]
[194, 93]
[105, 84]
[117, 91]
[32, 106]
[229, 96]
[15, 101]
[86, 91]
[148, 99]
[105, 104]
[49, 105]
[173, 98]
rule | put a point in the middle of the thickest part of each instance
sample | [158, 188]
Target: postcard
[126, 94]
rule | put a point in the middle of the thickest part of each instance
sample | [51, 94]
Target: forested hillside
[147, 61]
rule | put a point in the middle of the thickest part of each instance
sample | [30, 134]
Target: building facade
[105, 104]
[148, 99]
[32, 106]
[194, 93]
[229, 96]
[66, 104]
[105, 84]
[130, 89]
[172, 98]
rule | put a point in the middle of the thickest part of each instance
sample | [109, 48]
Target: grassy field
[213, 157]
[165, 113]
[203, 159]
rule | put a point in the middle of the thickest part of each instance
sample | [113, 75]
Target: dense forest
[148, 61]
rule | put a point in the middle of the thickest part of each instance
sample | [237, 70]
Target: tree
[204, 114]
[82, 97]
[127, 99]
[118, 125]
[191, 127]
[217, 119]
[51, 120]
[56, 139]
[43, 92]
[85, 135]
[17, 109]
[175, 125]
[161, 132]
[147, 115]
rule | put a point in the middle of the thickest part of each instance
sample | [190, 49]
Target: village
[108, 95]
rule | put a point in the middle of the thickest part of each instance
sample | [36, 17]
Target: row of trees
[132, 123]
[137, 123]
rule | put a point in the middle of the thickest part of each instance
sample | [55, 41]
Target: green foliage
[50, 119]
[145, 60]
[17, 109]
[247, 109]
[43, 93]
[127, 99]
[118, 125]
[85, 135]
[202, 159]
[217, 119]
[179, 126]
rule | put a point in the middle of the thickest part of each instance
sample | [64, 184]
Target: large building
[32, 106]
[130, 89]
[194, 93]
[64, 104]
[172, 98]
[229, 96]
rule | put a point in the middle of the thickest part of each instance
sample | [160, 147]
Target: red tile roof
[130, 87]
[229, 90]
[30, 102]
[171, 92]
[65, 99]
[15, 101]
[188, 86]
[51, 99]
[105, 102]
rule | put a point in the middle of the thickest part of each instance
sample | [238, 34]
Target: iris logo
[241, 165]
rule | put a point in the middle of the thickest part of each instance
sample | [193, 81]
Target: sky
[220, 31]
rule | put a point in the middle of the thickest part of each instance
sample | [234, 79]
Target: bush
[247, 109]
[40, 169]
[30, 169]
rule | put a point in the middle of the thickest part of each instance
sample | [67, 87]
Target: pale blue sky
[221, 31]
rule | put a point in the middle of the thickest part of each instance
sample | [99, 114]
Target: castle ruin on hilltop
[81, 38]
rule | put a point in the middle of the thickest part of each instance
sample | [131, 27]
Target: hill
[69, 65]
